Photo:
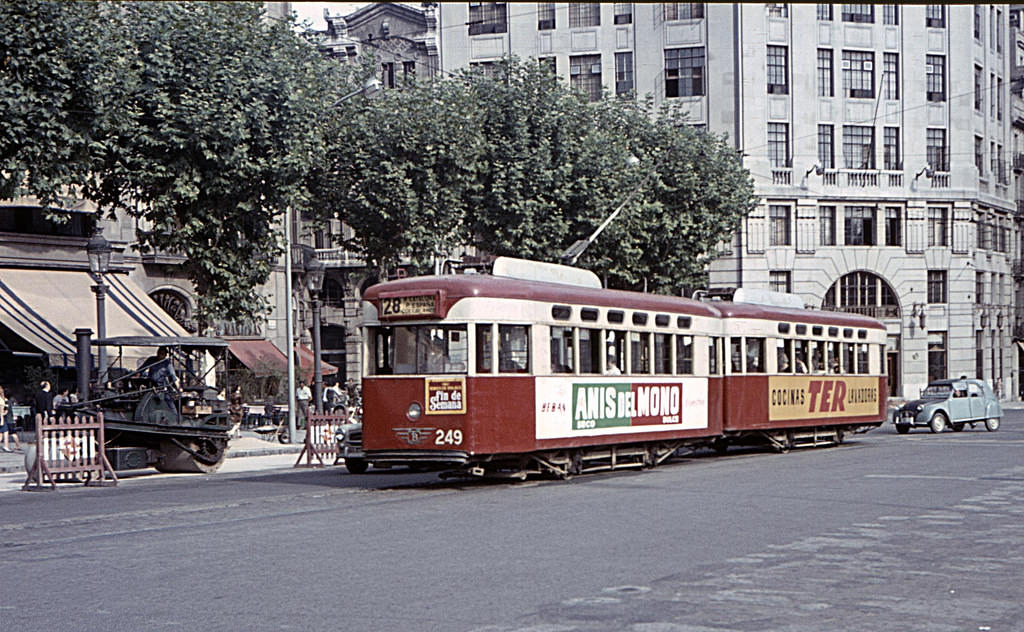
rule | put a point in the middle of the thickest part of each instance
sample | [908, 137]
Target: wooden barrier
[69, 448]
[320, 442]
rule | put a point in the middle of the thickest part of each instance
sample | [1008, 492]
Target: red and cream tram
[535, 368]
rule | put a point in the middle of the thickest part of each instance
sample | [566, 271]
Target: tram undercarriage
[565, 463]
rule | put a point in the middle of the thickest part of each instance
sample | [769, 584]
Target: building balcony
[873, 311]
[1018, 161]
[783, 177]
[339, 258]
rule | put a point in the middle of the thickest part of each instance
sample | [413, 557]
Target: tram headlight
[414, 411]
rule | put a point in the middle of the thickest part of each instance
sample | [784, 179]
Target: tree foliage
[200, 119]
[519, 165]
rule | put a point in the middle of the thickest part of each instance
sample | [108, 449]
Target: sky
[314, 11]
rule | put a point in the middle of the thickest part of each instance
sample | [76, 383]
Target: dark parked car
[951, 404]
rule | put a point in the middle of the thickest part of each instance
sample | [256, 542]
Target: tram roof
[460, 286]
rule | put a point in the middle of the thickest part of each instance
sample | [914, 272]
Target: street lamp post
[573, 252]
[99, 250]
[315, 270]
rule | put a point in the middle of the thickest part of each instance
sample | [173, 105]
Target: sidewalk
[248, 445]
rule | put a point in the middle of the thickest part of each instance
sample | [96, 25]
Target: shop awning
[44, 307]
[263, 358]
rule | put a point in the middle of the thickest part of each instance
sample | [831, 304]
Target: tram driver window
[514, 350]
[383, 351]
[755, 355]
[430, 350]
[561, 350]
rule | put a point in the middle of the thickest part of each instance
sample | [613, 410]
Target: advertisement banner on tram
[568, 407]
[819, 397]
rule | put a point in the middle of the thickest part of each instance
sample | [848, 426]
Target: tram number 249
[447, 437]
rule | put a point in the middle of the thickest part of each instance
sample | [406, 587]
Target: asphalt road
[888, 532]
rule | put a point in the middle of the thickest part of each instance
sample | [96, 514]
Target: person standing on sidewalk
[302, 397]
[44, 399]
[5, 429]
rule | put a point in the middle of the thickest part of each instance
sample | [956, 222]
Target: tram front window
[422, 349]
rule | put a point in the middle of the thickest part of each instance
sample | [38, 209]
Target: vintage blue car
[951, 404]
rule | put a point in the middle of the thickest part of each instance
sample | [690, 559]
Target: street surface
[911, 533]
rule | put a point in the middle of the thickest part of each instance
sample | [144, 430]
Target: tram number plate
[447, 437]
[408, 305]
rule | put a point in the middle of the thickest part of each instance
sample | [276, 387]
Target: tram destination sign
[404, 306]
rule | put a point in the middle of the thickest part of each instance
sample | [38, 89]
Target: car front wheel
[903, 428]
[992, 424]
[938, 422]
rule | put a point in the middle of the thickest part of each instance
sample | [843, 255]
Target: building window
[780, 281]
[545, 16]
[623, 12]
[549, 63]
[979, 18]
[891, 148]
[623, 74]
[935, 16]
[778, 145]
[937, 153]
[890, 14]
[999, 31]
[893, 226]
[979, 355]
[684, 10]
[937, 226]
[979, 155]
[859, 226]
[891, 76]
[859, 74]
[584, 14]
[826, 146]
[585, 75]
[858, 147]
[936, 355]
[387, 75]
[778, 225]
[864, 13]
[487, 17]
[991, 94]
[778, 70]
[998, 96]
[827, 225]
[979, 288]
[936, 286]
[409, 70]
[825, 77]
[825, 12]
[979, 89]
[936, 78]
[778, 10]
[684, 72]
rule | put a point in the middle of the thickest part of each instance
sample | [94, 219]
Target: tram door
[892, 364]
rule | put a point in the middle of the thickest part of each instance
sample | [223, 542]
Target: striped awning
[44, 307]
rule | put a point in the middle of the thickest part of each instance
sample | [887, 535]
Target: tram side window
[561, 350]
[736, 355]
[714, 351]
[640, 354]
[784, 351]
[834, 358]
[590, 350]
[818, 357]
[862, 358]
[802, 347]
[684, 355]
[663, 353]
[484, 337]
[755, 355]
[849, 365]
[514, 348]
[615, 352]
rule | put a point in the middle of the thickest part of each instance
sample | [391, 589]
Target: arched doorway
[866, 293]
[177, 306]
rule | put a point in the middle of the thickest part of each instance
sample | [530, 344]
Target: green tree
[224, 132]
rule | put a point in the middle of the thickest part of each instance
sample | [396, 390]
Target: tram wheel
[720, 445]
[356, 465]
[209, 456]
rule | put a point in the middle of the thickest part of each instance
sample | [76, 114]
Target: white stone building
[878, 136]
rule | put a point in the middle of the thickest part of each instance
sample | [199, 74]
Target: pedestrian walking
[44, 399]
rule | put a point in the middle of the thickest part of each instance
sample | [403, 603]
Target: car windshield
[937, 391]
